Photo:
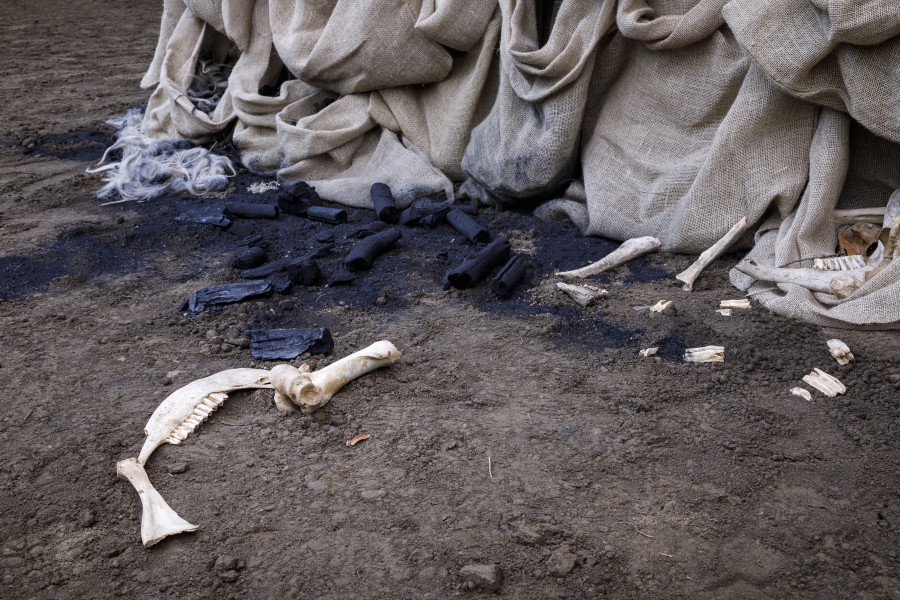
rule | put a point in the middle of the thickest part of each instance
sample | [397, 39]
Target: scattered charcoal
[469, 227]
[476, 268]
[251, 211]
[323, 251]
[283, 286]
[364, 253]
[288, 344]
[384, 204]
[509, 276]
[341, 276]
[297, 198]
[276, 266]
[326, 237]
[332, 216]
[425, 214]
[227, 294]
[304, 271]
[250, 240]
[252, 257]
[369, 229]
[217, 220]
[241, 229]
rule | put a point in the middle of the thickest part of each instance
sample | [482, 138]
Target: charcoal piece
[228, 293]
[473, 270]
[509, 276]
[364, 253]
[469, 227]
[217, 220]
[276, 266]
[304, 271]
[369, 229]
[249, 258]
[326, 237]
[297, 198]
[288, 344]
[340, 276]
[283, 286]
[332, 216]
[383, 201]
[436, 218]
[323, 251]
[250, 240]
[241, 229]
[251, 211]
[425, 214]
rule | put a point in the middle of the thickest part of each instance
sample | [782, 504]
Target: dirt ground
[525, 433]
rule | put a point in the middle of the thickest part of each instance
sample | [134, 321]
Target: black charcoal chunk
[241, 229]
[251, 211]
[276, 266]
[251, 240]
[304, 271]
[283, 286]
[295, 199]
[227, 294]
[383, 201]
[332, 216]
[217, 220]
[287, 344]
[509, 276]
[476, 268]
[364, 253]
[340, 276]
[249, 258]
[469, 227]
[326, 237]
[369, 229]
[323, 251]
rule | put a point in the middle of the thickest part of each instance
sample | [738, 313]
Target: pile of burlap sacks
[671, 118]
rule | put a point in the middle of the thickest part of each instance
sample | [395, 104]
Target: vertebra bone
[825, 383]
[840, 351]
[629, 250]
[799, 391]
[584, 295]
[158, 520]
[705, 354]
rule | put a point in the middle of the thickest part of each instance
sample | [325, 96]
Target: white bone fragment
[844, 285]
[629, 250]
[840, 351]
[158, 519]
[583, 295]
[840, 263]
[824, 382]
[741, 303]
[689, 275]
[174, 418]
[813, 279]
[648, 352]
[705, 354]
[312, 390]
[799, 391]
[661, 306]
[725, 312]
[859, 215]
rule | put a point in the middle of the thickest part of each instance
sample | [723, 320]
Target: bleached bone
[705, 354]
[629, 250]
[799, 391]
[859, 215]
[187, 407]
[583, 295]
[840, 351]
[741, 303]
[158, 520]
[648, 352]
[312, 390]
[661, 306]
[689, 275]
[844, 285]
[725, 312]
[824, 382]
[839, 263]
[817, 281]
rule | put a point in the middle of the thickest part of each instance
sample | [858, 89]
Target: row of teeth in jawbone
[200, 413]
[840, 263]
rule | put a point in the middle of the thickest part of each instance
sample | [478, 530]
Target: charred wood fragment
[509, 276]
[228, 293]
[287, 344]
[297, 198]
[365, 252]
[476, 268]
[304, 271]
[383, 201]
[251, 211]
[249, 258]
[469, 227]
[332, 216]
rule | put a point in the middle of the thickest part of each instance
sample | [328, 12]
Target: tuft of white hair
[149, 167]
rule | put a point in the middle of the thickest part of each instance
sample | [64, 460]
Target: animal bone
[840, 263]
[158, 520]
[817, 281]
[741, 303]
[661, 306]
[312, 390]
[859, 215]
[629, 250]
[840, 351]
[799, 391]
[689, 275]
[825, 383]
[705, 354]
[725, 312]
[583, 295]
[648, 352]
[844, 285]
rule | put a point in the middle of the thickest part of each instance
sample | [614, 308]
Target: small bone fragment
[840, 351]
[840, 263]
[357, 439]
[741, 303]
[705, 354]
[725, 312]
[312, 390]
[661, 306]
[844, 285]
[158, 520]
[825, 383]
[859, 215]
[799, 391]
[629, 250]
[583, 295]
[689, 275]
[648, 352]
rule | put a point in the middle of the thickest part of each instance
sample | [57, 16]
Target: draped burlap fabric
[671, 118]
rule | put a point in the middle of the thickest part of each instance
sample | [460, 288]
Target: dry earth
[524, 433]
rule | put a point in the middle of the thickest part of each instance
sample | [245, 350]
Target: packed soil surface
[523, 433]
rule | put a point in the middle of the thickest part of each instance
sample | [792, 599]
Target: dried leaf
[358, 438]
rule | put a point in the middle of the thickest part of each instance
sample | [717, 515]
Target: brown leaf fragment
[358, 438]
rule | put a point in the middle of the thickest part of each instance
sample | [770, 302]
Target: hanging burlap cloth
[671, 118]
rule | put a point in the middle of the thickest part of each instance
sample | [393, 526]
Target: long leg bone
[629, 250]
[312, 390]
[817, 281]
[859, 215]
[689, 275]
[158, 519]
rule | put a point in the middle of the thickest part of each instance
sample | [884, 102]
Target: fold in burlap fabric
[673, 118]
